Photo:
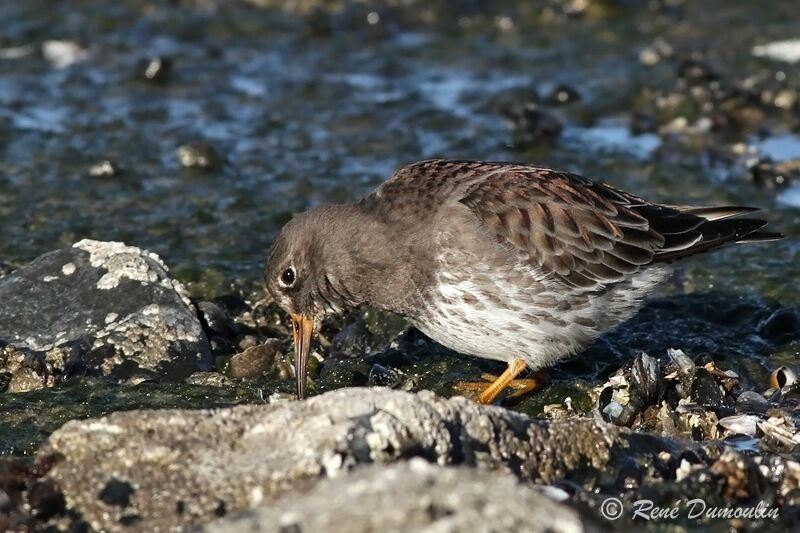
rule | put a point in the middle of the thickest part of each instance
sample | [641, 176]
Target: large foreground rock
[168, 469]
[411, 497]
[102, 305]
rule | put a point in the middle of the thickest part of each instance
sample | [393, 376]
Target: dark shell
[215, 321]
[751, 402]
[707, 393]
[381, 376]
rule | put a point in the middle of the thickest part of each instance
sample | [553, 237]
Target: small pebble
[563, 94]
[62, 54]
[200, 155]
[156, 69]
[104, 169]
[254, 362]
[531, 126]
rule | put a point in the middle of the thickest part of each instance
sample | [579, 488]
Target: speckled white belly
[518, 313]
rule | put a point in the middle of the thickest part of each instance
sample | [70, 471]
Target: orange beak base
[302, 331]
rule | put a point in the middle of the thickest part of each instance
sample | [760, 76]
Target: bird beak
[302, 329]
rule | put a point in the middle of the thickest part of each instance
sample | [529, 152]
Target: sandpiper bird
[510, 262]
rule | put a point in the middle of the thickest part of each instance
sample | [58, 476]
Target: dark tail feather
[761, 236]
[720, 212]
[718, 227]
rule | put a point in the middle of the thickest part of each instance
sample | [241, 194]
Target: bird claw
[492, 386]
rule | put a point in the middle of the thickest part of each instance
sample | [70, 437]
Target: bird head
[307, 274]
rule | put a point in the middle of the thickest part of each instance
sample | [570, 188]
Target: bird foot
[490, 388]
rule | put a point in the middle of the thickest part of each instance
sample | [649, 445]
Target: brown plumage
[583, 231]
[497, 260]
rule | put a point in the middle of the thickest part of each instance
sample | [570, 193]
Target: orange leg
[493, 386]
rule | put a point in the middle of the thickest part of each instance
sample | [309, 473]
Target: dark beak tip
[303, 330]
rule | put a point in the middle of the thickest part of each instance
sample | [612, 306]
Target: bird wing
[588, 233]
[584, 232]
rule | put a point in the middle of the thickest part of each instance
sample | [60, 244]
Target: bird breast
[503, 313]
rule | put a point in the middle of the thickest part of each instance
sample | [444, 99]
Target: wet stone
[220, 347]
[371, 331]
[232, 304]
[695, 69]
[563, 94]
[775, 176]
[105, 169]
[23, 370]
[656, 52]
[531, 126]
[155, 69]
[199, 155]
[640, 123]
[751, 402]
[350, 341]
[255, 362]
[247, 341]
[781, 326]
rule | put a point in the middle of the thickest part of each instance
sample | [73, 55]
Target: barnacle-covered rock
[411, 497]
[780, 433]
[104, 306]
[243, 457]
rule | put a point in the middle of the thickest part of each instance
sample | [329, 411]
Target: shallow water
[311, 109]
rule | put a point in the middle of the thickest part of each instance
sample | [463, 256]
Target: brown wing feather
[589, 233]
[584, 232]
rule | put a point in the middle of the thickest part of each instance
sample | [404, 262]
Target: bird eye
[288, 277]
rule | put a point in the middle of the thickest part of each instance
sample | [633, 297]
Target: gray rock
[187, 467]
[118, 302]
[254, 362]
[410, 497]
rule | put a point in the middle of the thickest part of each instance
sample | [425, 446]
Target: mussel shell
[742, 424]
[381, 376]
[751, 402]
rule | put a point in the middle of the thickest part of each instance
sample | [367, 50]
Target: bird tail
[694, 230]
